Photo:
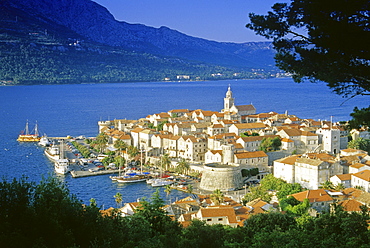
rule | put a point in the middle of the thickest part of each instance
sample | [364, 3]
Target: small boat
[132, 179]
[150, 180]
[26, 136]
[161, 182]
[44, 141]
[61, 166]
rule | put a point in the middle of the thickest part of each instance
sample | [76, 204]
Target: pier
[84, 173]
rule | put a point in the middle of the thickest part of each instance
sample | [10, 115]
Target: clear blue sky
[218, 20]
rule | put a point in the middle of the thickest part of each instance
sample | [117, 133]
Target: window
[220, 219]
[209, 219]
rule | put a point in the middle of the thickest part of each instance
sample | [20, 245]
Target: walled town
[236, 148]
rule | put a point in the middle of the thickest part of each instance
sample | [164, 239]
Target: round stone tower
[222, 177]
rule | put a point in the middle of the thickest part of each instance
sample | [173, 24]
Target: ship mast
[27, 132]
[36, 129]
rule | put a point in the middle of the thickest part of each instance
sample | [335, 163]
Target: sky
[218, 20]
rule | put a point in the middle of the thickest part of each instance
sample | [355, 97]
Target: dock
[84, 173]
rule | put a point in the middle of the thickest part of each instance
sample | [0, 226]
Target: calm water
[75, 110]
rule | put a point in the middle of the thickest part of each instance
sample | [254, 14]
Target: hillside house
[319, 200]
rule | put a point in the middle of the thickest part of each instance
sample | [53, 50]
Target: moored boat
[26, 136]
[61, 166]
[161, 182]
[52, 152]
[44, 141]
[132, 179]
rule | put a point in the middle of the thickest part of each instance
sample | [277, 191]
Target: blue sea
[74, 110]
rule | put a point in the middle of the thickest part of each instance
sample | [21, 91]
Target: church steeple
[228, 100]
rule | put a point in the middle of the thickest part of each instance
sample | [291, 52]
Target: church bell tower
[228, 100]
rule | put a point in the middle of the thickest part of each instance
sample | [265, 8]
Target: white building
[361, 179]
[330, 139]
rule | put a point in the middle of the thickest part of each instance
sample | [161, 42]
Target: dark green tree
[321, 41]
[201, 235]
[360, 118]
[160, 223]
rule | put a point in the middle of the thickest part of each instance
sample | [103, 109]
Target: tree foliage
[217, 197]
[360, 118]
[360, 143]
[321, 41]
[47, 215]
[270, 144]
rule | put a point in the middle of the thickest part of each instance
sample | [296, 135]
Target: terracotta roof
[229, 121]
[306, 133]
[357, 165]
[364, 175]
[351, 150]
[174, 137]
[107, 212]
[286, 140]
[250, 125]
[216, 152]
[219, 114]
[127, 121]
[245, 107]
[238, 146]
[293, 132]
[318, 195]
[224, 135]
[344, 177]
[137, 130]
[125, 137]
[217, 126]
[201, 125]
[256, 154]
[219, 211]
[322, 156]
[314, 162]
[289, 160]
[350, 205]
[352, 192]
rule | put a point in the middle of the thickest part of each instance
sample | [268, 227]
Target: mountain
[71, 27]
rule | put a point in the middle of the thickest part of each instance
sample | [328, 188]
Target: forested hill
[79, 41]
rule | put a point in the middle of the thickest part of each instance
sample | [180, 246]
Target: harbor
[78, 167]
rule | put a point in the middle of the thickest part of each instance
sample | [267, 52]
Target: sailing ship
[161, 181]
[131, 176]
[26, 136]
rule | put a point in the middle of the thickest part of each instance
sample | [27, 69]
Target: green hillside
[39, 51]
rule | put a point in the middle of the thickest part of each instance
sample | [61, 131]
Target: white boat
[61, 166]
[44, 141]
[52, 152]
[151, 180]
[161, 182]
